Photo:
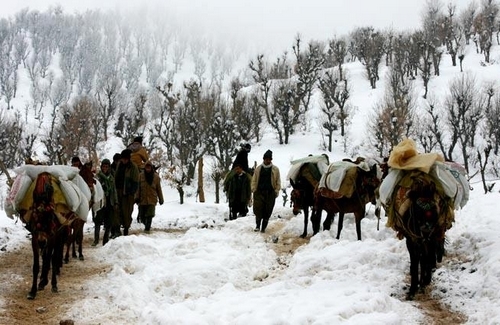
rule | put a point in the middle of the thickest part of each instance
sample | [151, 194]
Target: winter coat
[238, 189]
[275, 179]
[127, 180]
[139, 155]
[149, 194]
[108, 186]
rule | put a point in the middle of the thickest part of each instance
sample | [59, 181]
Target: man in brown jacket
[266, 185]
[148, 195]
[139, 154]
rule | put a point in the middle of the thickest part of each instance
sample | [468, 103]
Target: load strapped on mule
[407, 166]
[71, 195]
[311, 168]
[304, 176]
[339, 181]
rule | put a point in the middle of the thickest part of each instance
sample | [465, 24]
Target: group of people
[243, 183]
[130, 179]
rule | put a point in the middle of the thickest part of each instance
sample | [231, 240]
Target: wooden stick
[10, 181]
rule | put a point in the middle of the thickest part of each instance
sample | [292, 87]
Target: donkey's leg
[306, 219]
[36, 267]
[79, 241]
[69, 239]
[428, 262]
[55, 269]
[414, 265]
[358, 216]
[46, 259]
[340, 225]
[73, 247]
[316, 220]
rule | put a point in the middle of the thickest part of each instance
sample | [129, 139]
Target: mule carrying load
[346, 187]
[71, 193]
[304, 176]
[48, 200]
[420, 194]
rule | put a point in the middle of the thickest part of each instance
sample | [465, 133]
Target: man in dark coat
[241, 160]
[238, 193]
[126, 183]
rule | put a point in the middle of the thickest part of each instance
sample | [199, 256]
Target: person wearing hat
[266, 185]
[106, 215]
[148, 194]
[126, 184]
[242, 161]
[242, 157]
[139, 154]
[76, 162]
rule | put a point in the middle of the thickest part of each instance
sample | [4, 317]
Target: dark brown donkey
[302, 196]
[421, 214]
[47, 233]
[75, 237]
[363, 192]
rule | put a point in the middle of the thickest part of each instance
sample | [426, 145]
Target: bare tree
[335, 94]
[262, 94]
[76, 133]
[485, 24]
[200, 66]
[368, 45]
[108, 95]
[394, 115]
[307, 67]
[492, 118]
[245, 112]
[223, 136]
[59, 95]
[453, 34]
[433, 31]
[464, 106]
[336, 54]
[183, 126]
[467, 21]
[11, 140]
[281, 69]
[483, 163]
[131, 120]
[433, 129]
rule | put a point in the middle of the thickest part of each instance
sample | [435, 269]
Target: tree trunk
[330, 140]
[201, 192]
[217, 180]
[181, 193]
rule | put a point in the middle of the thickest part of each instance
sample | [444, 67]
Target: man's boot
[105, 237]
[264, 225]
[97, 230]
[147, 224]
[257, 221]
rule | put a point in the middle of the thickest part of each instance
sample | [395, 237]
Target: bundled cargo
[70, 192]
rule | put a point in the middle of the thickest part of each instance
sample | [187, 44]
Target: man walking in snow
[266, 185]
